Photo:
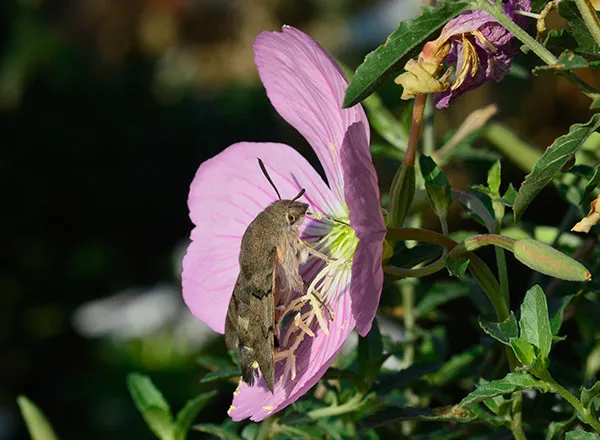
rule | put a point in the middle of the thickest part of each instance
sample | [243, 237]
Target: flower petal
[314, 356]
[306, 87]
[226, 194]
[362, 197]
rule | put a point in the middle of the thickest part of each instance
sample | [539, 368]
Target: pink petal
[362, 197]
[306, 87]
[314, 356]
[226, 194]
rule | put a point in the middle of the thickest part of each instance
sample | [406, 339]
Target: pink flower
[306, 87]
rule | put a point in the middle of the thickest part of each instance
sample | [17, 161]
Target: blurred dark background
[107, 107]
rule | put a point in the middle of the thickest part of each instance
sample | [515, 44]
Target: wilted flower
[477, 48]
[306, 87]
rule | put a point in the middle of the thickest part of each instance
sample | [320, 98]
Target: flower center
[312, 311]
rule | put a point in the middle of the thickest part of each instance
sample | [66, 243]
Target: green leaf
[389, 59]
[578, 29]
[37, 424]
[494, 178]
[217, 431]
[151, 403]
[455, 367]
[566, 61]
[523, 351]
[188, 413]
[438, 294]
[443, 414]
[556, 430]
[509, 196]
[436, 185]
[385, 124]
[552, 161]
[556, 309]
[509, 384]
[405, 377]
[591, 186]
[501, 331]
[370, 355]
[476, 208]
[226, 373]
[581, 435]
[589, 394]
[387, 151]
[534, 322]
[457, 266]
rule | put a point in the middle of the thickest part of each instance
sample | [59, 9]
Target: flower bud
[402, 192]
[549, 261]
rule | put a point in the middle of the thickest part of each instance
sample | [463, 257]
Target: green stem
[408, 305]
[515, 423]
[351, 405]
[501, 262]
[557, 388]
[510, 145]
[428, 128]
[478, 241]
[420, 272]
[588, 13]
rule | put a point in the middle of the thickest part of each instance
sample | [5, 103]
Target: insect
[270, 255]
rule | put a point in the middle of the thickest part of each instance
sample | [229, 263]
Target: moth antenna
[300, 194]
[264, 171]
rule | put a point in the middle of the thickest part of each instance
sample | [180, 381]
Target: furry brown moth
[270, 255]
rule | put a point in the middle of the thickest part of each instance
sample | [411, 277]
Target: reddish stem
[415, 130]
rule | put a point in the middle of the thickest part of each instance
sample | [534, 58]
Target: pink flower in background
[306, 87]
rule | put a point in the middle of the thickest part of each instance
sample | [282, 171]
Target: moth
[270, 255]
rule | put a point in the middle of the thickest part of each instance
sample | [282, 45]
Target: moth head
[295, 213]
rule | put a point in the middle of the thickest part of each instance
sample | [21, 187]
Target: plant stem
[557, 388]
[415, 130]
[351, 405]
[588, 13]
[517, 411]
[434, 267]
[428, 128]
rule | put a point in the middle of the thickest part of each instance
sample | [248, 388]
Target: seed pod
[549, 261]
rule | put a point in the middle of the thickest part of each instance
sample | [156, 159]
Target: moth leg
[312, 251]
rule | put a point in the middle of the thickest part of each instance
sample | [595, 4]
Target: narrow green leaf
[509, 196]
[581, 435]
[591, 186]
[436, 185]
[455, 367]
[226, 373]
[389, 59]
[438, 294]
[578, 29]
[443, 414]
[217, 431]
[566, 61]
[552, 161]
[501, 331]
[523, 351]
[476, 209]
[509, 384]
[534, 322]
[188, 413]
[370, 355]
[384, 123]
[37, 424]
[494, 178]
[151, 403]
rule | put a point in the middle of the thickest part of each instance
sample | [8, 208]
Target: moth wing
[231, 320]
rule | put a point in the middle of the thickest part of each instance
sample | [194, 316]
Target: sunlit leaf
[581, 435]
[509, 384]
[389, 59]
[534, 322]
[151, 403]
[501, 331]
[188, 413]
[38, 426]
[552, 161]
